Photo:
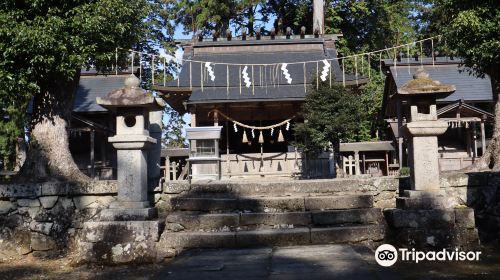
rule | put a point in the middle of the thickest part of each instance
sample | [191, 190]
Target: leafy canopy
[45, 43]
[332, 115]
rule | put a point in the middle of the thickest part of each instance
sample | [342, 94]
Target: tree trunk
[48, 153]
[490, 160]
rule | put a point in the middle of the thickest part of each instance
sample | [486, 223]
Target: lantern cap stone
[130, 95]
[422, 85]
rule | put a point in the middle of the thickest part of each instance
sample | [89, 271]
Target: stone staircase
[219, 219]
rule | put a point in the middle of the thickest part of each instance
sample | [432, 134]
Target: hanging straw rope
[300, 62]
[250, 126]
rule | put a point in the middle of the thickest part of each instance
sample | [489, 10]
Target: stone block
[44, 228]
[28, 202]
[121, 231]
[421, 203]
[19, 190]
[175, 187]
[412, 218]
[271, 204]
[22, 239]
[204, 204]
[48, 201]
[101, 187]
[82, 202]
[347, 234]
[464, 218]
[116, 253]
[54, 188]
[6, 207]
[286, 218]
[41, 242]
[338, 202]
[349, 216]
[128, 214]
[198, 239]
[193, 221]
[273, 237]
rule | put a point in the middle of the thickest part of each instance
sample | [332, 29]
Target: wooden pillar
[92, 153]
[228, 168]
[483, 137]
[400, 131]
[387, 163]
[468, 137]
[216, 118]
[474, 139]
[356, 163]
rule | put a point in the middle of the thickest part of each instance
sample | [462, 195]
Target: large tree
[44, 45]
[471, 30]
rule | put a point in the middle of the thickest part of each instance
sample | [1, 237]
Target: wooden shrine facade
[220, 95]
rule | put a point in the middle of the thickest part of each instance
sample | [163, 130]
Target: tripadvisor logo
[387, 255]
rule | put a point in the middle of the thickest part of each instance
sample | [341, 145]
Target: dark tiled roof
[469, 87]
[91, 87]
[269, 82]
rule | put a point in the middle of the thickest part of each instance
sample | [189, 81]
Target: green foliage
[370, 24]
[332, 115]
[471, 28]
[173, 127]
[44, 44]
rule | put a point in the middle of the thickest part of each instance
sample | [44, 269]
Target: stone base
[116, 242]
[129, 204]
[128, 214]
[430, 229]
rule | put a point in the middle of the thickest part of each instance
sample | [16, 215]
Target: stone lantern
[423, 218]
[132, 106]
[423, 127]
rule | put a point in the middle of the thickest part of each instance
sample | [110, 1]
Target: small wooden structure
[204, 157]
[374, 158]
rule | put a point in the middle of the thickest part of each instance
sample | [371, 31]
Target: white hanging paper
[326, 70]
[210, 71]
[246, 79]
[285, 73]
[235, 127]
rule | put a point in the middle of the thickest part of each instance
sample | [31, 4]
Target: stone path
[343, 262]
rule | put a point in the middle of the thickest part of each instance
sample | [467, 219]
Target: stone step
[272, 237]
[182, 220]
[437, 202]
[122, 231]
[271, 204]
[284, 187]
[349, 216]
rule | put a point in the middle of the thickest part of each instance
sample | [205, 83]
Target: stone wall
[480, 191]
[46, 218]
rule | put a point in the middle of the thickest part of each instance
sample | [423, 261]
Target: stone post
[154, 154]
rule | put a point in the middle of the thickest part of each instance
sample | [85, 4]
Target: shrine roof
[269, 82]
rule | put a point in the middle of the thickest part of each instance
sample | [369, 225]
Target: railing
[290, 164]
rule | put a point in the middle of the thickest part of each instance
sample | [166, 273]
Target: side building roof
[94, 86]
[469, 88]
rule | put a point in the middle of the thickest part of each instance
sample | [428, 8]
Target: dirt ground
[193, 264]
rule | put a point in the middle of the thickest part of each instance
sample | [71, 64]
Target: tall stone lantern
[423, 128]
[132, 106]
[424, 218]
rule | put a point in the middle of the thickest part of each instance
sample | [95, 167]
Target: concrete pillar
[483, 138]
[356, 163]
[154, 153]
[318, 16]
